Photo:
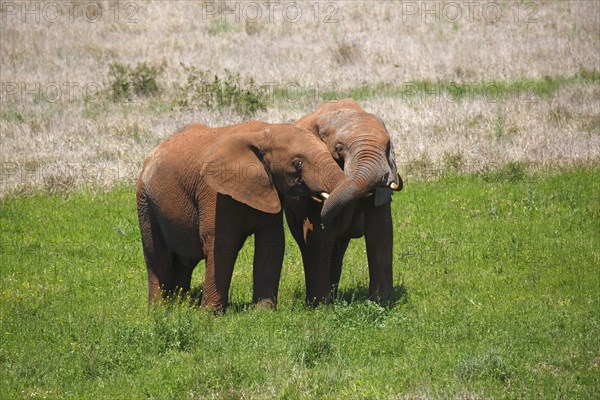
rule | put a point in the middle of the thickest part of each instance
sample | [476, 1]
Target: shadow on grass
[195, 300]
[361, 294]
[346, 295]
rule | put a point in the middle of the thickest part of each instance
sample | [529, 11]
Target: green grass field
[497, 280]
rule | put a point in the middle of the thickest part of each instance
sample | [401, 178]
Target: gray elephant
[361, 145]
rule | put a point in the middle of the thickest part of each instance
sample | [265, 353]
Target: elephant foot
[314, 301]
[382, 296]
[269, 304]
[216, 308]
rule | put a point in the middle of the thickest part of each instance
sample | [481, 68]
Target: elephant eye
[297, 163]
[338, 148]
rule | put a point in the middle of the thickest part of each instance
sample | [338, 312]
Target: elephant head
[258, 167]
[360, 143]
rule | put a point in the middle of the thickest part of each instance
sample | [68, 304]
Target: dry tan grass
[394, 44]
[488, 135]
[63, 144]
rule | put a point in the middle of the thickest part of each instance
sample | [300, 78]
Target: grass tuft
[346, 52]
[219, 26]
[514, 171]
[490, 365]
[128, 82]
[214, 92]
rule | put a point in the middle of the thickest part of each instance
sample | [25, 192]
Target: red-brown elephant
[360, 143]
[204, 190]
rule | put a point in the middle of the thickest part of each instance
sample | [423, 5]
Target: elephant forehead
[354, 123]
[370, 128]
[305, 140]
[367, 122]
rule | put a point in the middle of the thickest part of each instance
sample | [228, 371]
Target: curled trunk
[369, 171]
[337, 200]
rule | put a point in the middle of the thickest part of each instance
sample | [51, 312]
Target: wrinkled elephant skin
[204, 190]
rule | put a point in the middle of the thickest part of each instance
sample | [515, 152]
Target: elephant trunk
[370, 170]
[325, 174]
[347, 191]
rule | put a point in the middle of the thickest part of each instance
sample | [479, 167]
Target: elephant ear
[393, 167]
[234, 166]
[392, 158]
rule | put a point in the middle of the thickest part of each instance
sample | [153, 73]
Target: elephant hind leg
[159, 263]
[170, 278]
[181, 274]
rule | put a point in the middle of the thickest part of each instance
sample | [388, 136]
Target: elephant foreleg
[269, 246]
[379, 240]
[337, 261]
[304, 221]
[220, 260]
[316, 256]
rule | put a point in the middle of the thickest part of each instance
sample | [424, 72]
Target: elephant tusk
[324, 195]
[397, 186]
